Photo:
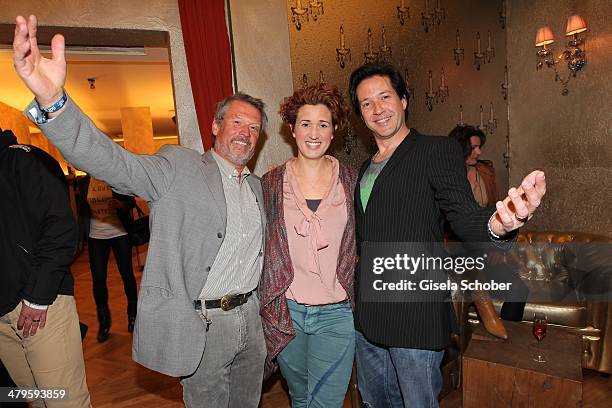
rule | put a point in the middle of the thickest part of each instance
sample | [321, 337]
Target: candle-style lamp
[385, 51]
[369, 54]
[458, 52]
[479, 57]
[403, 12]
[343, 54]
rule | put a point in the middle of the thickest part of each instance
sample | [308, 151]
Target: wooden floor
[116, 381]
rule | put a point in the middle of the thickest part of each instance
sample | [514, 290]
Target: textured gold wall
[313, 50]
[567, 136]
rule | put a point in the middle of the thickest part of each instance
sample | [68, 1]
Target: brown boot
[491, 320]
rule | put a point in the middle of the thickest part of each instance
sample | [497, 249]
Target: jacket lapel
[212, 176]
[397, 157]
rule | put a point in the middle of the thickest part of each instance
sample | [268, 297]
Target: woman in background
[306, 287]
[481, 176]
[106, 232]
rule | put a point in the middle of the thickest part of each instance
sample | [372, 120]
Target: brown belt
[228, 302]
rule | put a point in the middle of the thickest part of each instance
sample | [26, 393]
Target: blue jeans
[317, 363]
[397, 377]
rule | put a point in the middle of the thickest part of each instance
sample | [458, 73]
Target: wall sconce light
[299, 14]
[439, 13]
[479, 57]
[574, 54]
[458, 51]
[315, 8]
[490, 51]
[370, 55]
[502, 15]
[385, 51]
[304, 81]
[491, 124]
[92, 83]
[426, 17]
[322, 78]
[461, 122]
[408, 88]
[442, 91]
[342, 53]
[430, 95]
[403, 12]
[504, 85]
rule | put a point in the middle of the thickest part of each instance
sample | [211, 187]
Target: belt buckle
[225, 302]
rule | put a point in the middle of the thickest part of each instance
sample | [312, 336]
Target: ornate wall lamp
[403, 12]
[430, 95]
[342, 54]
[300, 14]
[442, 91]
[322, 78]
[479, 57]
[504, 85]
[315, 7]
[491, 124]
[490, 51]
[461, 122]
[304, 80]
[408, 88]
[439, 13]
[458, 52]
[426, 17]
[502, 15]
[369, 54]
[574, 54]
[384, 53]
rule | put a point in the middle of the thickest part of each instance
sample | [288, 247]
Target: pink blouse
[314, 240]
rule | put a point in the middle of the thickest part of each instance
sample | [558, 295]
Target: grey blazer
[188, 220]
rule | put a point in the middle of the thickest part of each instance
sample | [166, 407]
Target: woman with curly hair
[306, 287]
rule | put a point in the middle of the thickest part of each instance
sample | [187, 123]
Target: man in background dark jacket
[40, 341]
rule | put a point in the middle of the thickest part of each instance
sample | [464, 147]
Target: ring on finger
[523, 219]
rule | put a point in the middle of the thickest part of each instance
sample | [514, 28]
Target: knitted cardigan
[278, 271]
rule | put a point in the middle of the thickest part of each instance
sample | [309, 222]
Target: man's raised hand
[43, 76]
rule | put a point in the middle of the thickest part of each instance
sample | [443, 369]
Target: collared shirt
[237, 267]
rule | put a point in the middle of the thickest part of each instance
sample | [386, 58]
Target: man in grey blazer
[198, 314]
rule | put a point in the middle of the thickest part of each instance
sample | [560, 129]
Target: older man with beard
[198, 315]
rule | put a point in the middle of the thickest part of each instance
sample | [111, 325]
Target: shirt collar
[227, 169]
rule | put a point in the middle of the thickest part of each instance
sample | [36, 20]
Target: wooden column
[137, 130]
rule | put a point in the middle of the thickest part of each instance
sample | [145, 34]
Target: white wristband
[34, 305]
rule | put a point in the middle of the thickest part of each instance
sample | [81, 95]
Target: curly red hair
[319, 94]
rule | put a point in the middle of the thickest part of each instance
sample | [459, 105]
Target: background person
[106, 231]
[40, 339]
[483, 181]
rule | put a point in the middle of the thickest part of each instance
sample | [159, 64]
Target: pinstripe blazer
[188, 218]
[422, 184]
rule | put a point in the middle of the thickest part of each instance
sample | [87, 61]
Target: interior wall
[414, 52]
[263, 69]
[566, 136]
[162, 15]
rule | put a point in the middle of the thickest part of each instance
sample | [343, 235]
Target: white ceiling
[120, 81]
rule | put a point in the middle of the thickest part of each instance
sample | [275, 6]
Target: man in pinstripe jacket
[404, 193]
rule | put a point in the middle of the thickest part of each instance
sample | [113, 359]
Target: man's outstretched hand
[43, 76]
[520, 204]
